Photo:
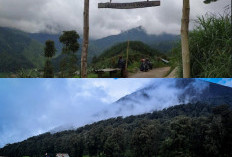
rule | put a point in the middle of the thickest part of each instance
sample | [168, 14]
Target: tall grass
[210, 48]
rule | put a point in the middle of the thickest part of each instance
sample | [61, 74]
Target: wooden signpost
[143, 4]
[133, 5]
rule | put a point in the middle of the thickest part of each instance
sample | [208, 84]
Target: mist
[32, 107]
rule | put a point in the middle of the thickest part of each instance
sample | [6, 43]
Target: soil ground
[154, 73]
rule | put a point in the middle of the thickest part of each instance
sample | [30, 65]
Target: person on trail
[121, 65]
[143, 66]
[148, 63]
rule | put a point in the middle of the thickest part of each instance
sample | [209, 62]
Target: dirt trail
[155, 73]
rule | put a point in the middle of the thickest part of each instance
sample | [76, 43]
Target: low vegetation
[137, 51]
[210, 47]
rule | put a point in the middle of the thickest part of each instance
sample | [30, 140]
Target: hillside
[23, 50]
[160, 94]
[183, 130]
[183, 121]
[163, 42]
[137, 51]
[18, 50]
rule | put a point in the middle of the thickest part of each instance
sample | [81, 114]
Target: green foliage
[49, 50]
[69, 39]
[68, 63]
[137, 51]
[48, 70]
[210, 47]
[31, 73]
[18, 51]
[190, 130]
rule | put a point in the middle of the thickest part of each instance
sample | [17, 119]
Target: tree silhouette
[49, 52]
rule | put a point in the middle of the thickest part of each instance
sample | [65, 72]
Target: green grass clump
[210, 48]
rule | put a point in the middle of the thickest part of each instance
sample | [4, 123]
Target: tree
[145, 139]
[115, 144]
[71, 46]
[49, 52]
[69, 39]
[48, 69]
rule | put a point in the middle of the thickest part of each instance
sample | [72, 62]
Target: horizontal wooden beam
[143, 4]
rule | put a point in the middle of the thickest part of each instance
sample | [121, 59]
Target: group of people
[144, 66]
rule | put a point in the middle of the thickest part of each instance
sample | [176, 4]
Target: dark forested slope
[184, 130]
[18, 50]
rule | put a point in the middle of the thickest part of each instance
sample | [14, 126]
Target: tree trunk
[84, 54]
[185, 39]
[127, 54]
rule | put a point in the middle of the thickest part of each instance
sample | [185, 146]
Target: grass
[210, 48]
[4, 75]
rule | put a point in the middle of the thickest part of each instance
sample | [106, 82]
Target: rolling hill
[137, 51]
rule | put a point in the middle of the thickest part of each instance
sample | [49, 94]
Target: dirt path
[155, 73]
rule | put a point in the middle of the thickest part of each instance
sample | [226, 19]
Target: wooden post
[185, 39]
[84, 54]
[127, 53]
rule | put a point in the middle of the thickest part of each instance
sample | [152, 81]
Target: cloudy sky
[57, 15]
[30, 107]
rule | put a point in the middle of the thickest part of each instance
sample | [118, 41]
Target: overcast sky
[57, 15]
[30, 107]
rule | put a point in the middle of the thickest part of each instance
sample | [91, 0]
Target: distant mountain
[139, 34]
[24, 50]
[162, 94]
[18, 50]
[163, 42]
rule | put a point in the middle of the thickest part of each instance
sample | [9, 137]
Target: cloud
[58, 15]
[29, 107]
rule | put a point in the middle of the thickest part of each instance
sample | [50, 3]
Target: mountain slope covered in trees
[197, 128]
[18, 50]
[184, 130]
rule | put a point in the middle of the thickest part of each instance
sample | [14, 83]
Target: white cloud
[58, 15]
[226, 82]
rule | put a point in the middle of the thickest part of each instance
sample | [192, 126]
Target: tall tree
[49, 52]
[71, 46]
[84, 54]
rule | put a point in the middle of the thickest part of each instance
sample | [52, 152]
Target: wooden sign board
[143, 4]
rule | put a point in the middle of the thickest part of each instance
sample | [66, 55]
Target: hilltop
[137, 51]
